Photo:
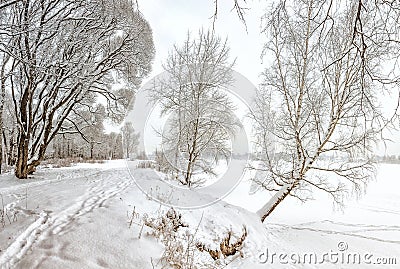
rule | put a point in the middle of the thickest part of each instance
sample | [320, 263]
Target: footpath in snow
[79, 217]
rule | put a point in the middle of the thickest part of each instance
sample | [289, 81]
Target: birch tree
[65, 56]
[318, 114]
[201, 120]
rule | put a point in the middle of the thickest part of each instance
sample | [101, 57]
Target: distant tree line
[387, 158]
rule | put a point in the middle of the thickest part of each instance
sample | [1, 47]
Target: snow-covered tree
[130, 139]
[6, 3]
[9, 131]
[317, 113]
[65, 56]
[5, 58]
[88, 125]
[201, 120]
[114, 149]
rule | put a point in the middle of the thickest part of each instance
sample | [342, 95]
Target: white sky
[171, 20]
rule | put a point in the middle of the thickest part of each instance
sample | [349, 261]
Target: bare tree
[130, 139]
[9, 129]
[201, 120]
[317, 114]
[6, 3]
[3, 76]
[238, 5]
[114, 142]
[4, 72]
[87, 124]
[66, 55]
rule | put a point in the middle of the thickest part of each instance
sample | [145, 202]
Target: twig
[2, 220]
[26, 198]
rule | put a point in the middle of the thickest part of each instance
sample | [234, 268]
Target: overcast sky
[171, 20]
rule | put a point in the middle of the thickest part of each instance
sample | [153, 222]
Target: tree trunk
[11, 147]
[5, 147]
[91, 150]
[267, 209]
[3, 97]
[21, 167]
[68, 150]
[188, 173]
[192, 154]
[1, 153]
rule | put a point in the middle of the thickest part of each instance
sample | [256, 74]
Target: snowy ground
[78, 217]
[367, 229]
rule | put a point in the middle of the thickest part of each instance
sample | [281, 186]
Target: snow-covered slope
[79, 217]
[82, 222]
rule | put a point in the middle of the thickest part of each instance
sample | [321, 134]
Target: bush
[181, 248]
[146, 164]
